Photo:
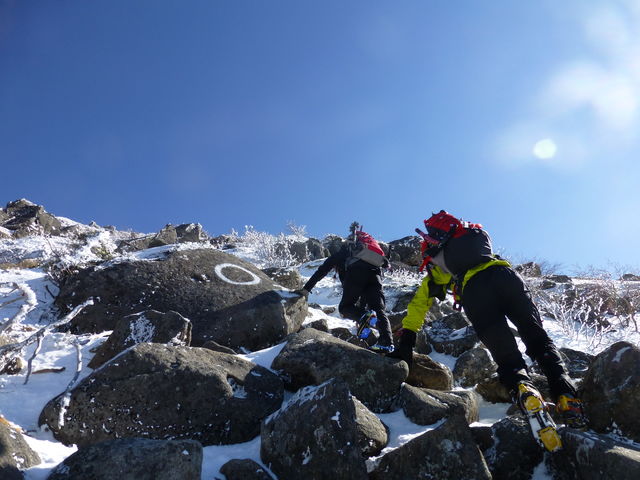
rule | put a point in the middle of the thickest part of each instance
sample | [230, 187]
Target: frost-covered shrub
[267, 250]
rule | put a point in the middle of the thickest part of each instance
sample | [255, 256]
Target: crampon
[366, 323]
[542, 425]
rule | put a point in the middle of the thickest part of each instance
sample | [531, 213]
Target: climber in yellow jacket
[459, 258]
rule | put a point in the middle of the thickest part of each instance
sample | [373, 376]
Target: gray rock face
[226, 299]
[514, 453]
[170, 234]
[145, 327]
[587, 456]
[312, 357]
[245, 469]
[452, 341]
[133, 459]
[425, 407]
[474, 366]
[287, 277]
[611, 390]
[407, 250]
[159, 392]
[24, 218]
[371, 432]
[427, 373]
[313, 434]
[15, 453]
[447, 452]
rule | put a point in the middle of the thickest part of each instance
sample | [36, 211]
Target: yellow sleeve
[423, 299]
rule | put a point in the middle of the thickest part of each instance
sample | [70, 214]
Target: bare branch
[15, 348]
[30, 303]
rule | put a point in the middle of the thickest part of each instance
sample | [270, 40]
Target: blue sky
[522, 116]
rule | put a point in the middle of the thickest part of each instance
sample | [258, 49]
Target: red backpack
[366, 248]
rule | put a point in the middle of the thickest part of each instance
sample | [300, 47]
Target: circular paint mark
[218, 269]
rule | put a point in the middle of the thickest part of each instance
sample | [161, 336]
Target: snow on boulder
[312, 357]
[226, 299]
[447, 452]
[158, 391]
[611, 390]
[313, 434]
[144, 327]
[589, 456]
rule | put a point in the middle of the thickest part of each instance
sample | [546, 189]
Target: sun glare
[545, 149]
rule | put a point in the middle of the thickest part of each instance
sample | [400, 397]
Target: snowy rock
[428, 373]
[611, 389]
[133, 459]
[447, 452]
[311, 249]
[245, 469]
[312, 357]
[514, 453]
[407, 250]
[589, 456]
[15, 453]
[333, 243]
[371, 433]
[24, 218]
[158, 391]
[226, 299]
[146, 327]
[529, 269]
[452, 335]
[425, 407]
[287, 277]
[313, 434]
[170, 234]
[474, 366]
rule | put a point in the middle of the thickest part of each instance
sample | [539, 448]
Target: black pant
[498, 293]
[363, 281]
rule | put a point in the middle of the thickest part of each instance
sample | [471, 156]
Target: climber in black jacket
[360, 281]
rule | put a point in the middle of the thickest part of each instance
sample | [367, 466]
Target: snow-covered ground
[22, 403]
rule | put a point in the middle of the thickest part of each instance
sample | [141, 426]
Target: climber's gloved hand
[405, 346]
[303, 292]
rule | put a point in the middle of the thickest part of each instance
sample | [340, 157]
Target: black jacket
[338, 261]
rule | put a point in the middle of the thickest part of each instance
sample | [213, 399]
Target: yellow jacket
[435, 284]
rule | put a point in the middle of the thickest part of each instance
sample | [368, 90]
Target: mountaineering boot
[542, 425]
[571, 409]
[380, 348]
[366, 322]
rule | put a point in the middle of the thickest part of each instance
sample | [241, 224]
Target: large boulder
[144, 327]
[133, 459]
[427, 373]
[447, 339]
[514, 453]
[473, 367]
[24, 218]
[15, 453]
[158, 391]
[226, 299]
[448, 452]
[244, 469]
[312, 357]
[407, 250]
[313, 434]
[425, 407]
[170, 234]
[611, 389]
[589, 456]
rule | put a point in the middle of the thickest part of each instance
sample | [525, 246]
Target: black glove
[405, 346]
[302, 292]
